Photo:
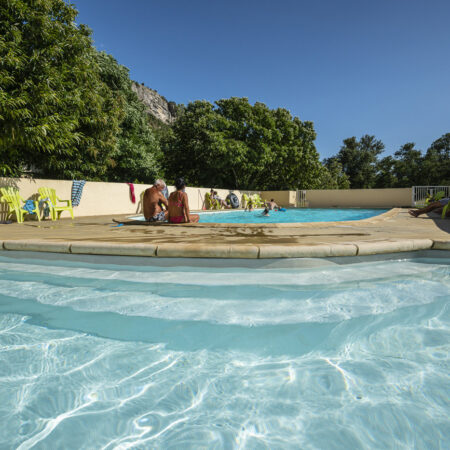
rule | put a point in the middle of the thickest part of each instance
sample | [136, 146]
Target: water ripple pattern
[115, 357]
[290, 215]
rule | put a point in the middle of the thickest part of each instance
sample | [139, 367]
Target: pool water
[153, 355]
[290, 215]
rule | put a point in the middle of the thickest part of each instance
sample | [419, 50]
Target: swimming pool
[145, 353]
[290, 215]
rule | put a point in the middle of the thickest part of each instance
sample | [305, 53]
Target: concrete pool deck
[391, 232]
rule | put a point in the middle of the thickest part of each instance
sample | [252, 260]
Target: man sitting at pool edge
[431, 207]
[153, 202]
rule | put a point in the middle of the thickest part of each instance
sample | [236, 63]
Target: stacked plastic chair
[16, 204]
[211, 203]
[48, 195]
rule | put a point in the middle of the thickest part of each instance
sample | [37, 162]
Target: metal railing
[421, 193]
[300, 199]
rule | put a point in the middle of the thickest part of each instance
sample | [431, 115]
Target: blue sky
[352, 67]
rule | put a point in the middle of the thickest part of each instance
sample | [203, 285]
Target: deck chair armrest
[68, 202]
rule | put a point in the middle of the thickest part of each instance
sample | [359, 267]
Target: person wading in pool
[271, 205]
[153, 202]
[179, 205]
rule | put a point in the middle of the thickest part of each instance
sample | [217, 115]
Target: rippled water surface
[297, 215]
[339, 356]
[290, 215]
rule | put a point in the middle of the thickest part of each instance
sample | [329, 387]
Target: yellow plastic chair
[211, 203]
[49, 196]
[15, 204]
[257, 200]
[444, 211]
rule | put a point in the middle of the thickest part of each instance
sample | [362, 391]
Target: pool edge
[230, 251]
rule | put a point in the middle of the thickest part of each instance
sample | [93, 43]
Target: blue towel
[29, 207]
[77, 191]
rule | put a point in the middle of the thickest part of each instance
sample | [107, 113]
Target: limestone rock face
[155, 104]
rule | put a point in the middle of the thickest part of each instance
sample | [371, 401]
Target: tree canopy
[66, 111]
[236, 145]
[407, 167]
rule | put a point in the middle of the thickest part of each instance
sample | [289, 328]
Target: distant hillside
[155, 105]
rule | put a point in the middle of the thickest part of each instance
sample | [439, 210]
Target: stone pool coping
[391, 232]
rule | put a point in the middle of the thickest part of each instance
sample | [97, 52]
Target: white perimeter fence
[300, 199]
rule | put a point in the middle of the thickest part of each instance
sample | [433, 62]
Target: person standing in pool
[153, 201]
[179, 205]
[271, 205]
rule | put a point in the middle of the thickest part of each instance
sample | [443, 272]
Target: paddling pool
[290, 215]
[125, 352]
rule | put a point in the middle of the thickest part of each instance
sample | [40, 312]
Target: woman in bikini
[179, 205]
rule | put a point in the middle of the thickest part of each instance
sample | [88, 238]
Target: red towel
[133, 197]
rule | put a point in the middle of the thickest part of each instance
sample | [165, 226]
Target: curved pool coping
[233, 250]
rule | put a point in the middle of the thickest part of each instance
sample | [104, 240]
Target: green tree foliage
[136, 157]
[385, 174]
[407, 166]
[237, 145]
[333, 176]
[56, 115]
[359, 160]
[436, 163]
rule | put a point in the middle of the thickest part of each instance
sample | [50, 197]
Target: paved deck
[394, 231]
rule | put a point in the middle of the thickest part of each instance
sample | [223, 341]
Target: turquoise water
[96, 355]
[290, 215]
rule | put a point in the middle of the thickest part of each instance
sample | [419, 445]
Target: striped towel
[77, 191]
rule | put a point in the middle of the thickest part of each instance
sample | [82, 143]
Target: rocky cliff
[155, 104]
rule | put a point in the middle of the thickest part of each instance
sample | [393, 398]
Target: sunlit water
[341, 356]
[290, 215]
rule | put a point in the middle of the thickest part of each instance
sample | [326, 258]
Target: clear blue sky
[352, 67]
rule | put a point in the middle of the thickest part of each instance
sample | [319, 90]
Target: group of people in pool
[268, 206]
[175, 208]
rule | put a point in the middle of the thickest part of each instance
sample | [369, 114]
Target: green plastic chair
[49, 196]
[444, 211]
[15, 203]
[211, 203]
